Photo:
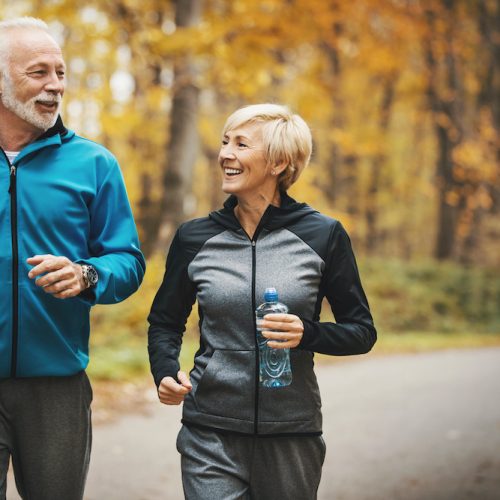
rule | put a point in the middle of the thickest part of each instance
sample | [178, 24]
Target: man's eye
[224, 142]
[242, 145]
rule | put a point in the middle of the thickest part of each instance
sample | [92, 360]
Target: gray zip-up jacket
[306, 256]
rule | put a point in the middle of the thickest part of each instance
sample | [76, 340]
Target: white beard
[27, 110]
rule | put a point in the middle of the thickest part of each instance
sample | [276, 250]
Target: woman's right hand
[172, 392]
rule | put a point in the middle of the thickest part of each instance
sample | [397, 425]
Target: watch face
[91, 275]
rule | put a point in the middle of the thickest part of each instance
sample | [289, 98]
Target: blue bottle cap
[271, 295]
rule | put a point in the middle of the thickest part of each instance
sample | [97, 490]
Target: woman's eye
[224, 142]
[242, 145]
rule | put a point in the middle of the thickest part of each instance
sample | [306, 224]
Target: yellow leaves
[475, 162]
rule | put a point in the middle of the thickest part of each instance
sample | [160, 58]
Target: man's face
[33, 85]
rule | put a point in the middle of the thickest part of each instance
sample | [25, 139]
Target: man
[67, 241]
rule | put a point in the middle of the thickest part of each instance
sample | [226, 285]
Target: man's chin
[44, 121]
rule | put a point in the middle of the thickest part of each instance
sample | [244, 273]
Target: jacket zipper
[257, 353]
[253, 242]
[15, 264]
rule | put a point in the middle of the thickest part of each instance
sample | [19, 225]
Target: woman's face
[245, 170]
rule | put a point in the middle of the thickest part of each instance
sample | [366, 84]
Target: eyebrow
[238, 137]
[45, 65]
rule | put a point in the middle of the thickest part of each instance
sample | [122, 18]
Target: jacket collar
[273, 218]
[57, 128]
[52, 137]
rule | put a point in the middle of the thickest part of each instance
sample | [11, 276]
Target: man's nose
[54, 83]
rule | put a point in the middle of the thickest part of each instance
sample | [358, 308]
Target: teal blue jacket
[63, 195]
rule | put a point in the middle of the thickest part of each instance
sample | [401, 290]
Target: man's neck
[15, 133]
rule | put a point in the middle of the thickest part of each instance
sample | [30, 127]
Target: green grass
[126, 361]
[432, 305]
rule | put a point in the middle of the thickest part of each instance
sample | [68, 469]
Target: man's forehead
[29, 45]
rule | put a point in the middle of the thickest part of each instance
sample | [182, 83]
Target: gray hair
[27, 23]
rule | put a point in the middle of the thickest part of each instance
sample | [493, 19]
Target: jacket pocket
[298, 402]
[227, 386]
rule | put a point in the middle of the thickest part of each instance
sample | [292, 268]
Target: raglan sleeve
[113, 242]
[169, 313]
[353, 331]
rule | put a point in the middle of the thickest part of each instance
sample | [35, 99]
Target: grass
[432, 305]
[128, 361]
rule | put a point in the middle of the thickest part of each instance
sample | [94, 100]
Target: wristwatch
[89, 275]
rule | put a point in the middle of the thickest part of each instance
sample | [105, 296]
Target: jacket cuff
[308, 335]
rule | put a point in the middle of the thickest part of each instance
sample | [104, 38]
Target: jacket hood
[273, 218]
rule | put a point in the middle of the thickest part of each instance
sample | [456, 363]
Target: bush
[404, 297]
[432, 296]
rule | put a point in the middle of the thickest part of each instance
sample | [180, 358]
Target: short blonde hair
[286, 136]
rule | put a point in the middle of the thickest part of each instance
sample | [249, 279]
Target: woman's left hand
[288, 330]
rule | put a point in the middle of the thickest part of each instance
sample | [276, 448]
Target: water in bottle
[274, 365]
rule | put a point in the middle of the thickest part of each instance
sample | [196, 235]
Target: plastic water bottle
[274, 365]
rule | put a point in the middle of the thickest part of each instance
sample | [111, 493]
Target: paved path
[407, 427]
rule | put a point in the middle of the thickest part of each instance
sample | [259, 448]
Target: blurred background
[403, 99]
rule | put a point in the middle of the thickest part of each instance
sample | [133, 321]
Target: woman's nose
[227, 151]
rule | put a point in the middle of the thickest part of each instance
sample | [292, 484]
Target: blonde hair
[27, 23]
[286, 137]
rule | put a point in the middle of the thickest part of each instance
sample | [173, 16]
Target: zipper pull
[12, 177]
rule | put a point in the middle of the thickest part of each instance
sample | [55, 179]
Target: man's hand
[58, 275]
[172, 392]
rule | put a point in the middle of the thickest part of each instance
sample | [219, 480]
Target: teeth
[232, 171]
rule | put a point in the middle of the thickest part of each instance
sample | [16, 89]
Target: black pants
[219, 466]
[45, 427]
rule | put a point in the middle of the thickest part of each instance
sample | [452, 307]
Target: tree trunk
[445, 106]
[378, 161]
[183, 140]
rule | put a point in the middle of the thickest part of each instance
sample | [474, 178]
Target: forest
[402, 97]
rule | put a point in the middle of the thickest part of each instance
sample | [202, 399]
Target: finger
[47, 265]
[36, 259]
[288, 318]
[54, 277]
[280, 326]
[274, 344]
[184, 380]
[169, 401]
[169, 386]
[67, 293]
[60, 286]
[279, 336]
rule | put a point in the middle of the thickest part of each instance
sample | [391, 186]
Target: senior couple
[68, 241]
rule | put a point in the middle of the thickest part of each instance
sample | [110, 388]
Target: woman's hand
[172, 392]
[288, 330]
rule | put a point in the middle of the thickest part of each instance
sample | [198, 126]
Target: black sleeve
[354, 331]
[169, 313]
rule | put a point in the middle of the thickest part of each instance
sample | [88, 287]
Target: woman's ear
[279, 168]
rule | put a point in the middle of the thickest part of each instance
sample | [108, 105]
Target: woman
[239, 439]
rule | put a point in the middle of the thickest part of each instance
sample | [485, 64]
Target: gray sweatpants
[45, 427]
[219, 466]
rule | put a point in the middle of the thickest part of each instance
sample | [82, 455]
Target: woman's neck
[249, 211]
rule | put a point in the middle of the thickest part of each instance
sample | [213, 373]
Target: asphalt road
[406, 427]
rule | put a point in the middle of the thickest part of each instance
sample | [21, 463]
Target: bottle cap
[271, 295]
